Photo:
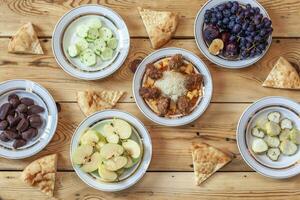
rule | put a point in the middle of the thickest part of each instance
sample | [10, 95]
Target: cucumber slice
[82, 31]
[107, 54]
[73, 51]
[259, 145]
[88, 57]
[295, 136]
[288, 148]
[274, 117]
[100, 45]
[82, 44]
[95, 23]
[105, 33]
[273, 154]
[284, 135]
[286, 123]
[93, 33]
[272, 128]
[112, 43]
[257, 133]
[272, 141]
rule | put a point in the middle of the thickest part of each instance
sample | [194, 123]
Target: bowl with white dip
[169, 84]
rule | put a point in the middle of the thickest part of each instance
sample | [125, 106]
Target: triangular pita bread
[160, 25]
[92, 101]
[283, 75]
[25, 41]
[207, 160]
[41, 174]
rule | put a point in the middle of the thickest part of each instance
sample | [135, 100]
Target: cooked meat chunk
[176, 62]
[163, 105]
[153, 72]
[149, 93]
[193, 82]
[183, 104]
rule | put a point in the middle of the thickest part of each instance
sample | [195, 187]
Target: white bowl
[41, 97]
[201, 67]
[198, 29]
[63, 36]
[139, 170]
[286, 166]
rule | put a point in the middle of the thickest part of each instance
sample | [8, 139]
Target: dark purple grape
[257, 9]
[235, 3]
[259, 26]
[239, 19]
[261, 47]
[252, 34]
[211, 33]
[257, 38]
[229, 4]
[213, 20]
[231, 24]
[221, 7]
[267, 22]
[248, 6]
[237, 28]
[225, 20]
[234, 9]
[251, 28]
[263, 32]
[249, 39]
[245, 26]
[226, 13]
[219, 15]
[232, 38]
[219, 24]
[248, 45]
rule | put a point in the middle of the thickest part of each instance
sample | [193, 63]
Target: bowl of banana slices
[111, 150]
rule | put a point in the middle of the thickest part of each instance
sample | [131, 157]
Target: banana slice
[109, 150]
[132, 148]
[106, 175]
[93, 163]
[91, 137]
[82, 154]
[216, 46]
[115, 163]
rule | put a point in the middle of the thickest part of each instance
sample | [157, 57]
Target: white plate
[286, 166]
[63, 36]
[198, 27]
[141, 168]
[201, 67]
[41, 97]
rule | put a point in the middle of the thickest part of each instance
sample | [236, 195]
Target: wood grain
[216, 127]
[45, 14]
[162, 186]
[242, 85]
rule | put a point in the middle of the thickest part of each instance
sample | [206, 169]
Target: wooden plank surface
[162, 186]
[216, 127]
[44, 70]
[13, 13]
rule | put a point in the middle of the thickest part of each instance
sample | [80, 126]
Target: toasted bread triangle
[207, 160]
[41, 174]
[92, 101]
[283, 75]
[160, 25]
[25, 41]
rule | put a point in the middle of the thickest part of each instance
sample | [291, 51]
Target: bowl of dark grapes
[233, 34]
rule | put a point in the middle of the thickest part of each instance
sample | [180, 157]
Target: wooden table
[170, 175]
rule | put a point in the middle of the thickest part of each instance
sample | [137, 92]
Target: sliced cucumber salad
[275, 136]
[93, 41]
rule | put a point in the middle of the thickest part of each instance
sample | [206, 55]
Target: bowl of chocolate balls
[233, 34]
[28, 118]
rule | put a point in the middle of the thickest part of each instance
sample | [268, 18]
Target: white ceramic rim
[144, 164]
[197, 62]
[67, 18]
[198, 24]
[241, 143]
[51, 126]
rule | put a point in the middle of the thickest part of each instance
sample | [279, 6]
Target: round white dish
[207, 89]
[64, 35]
[41, 97]
[286, 166]
[219, 61]
[136, 173]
